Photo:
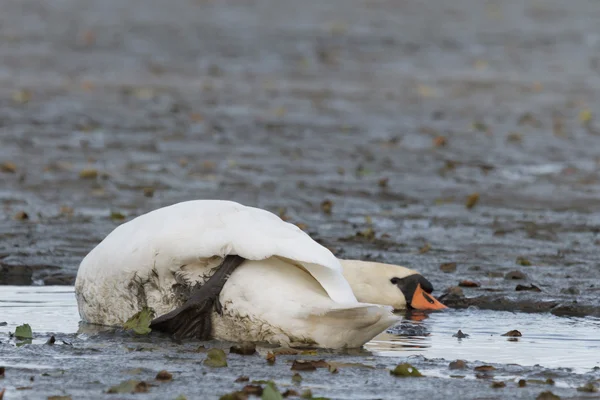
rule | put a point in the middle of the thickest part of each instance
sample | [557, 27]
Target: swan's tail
[348, 326]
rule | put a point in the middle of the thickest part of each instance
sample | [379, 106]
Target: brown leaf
[530, 288]
[523, 262]
[326, 206]
[448, 267]
[253, 390]
[513, 333]
[9, 167]
[148, 191]
[547, 395]
[458, 364]
[440, 141]
[383, 182]
[164, 376]
[245, 349]
[130, 386]
[54, 397]
[243, 379]
[515, 275]
[467, 283]
[484, 368]
[88, 173]
[290, 393]
[426, 247]
[472, 200]
[308, 365]
[270, 358]
[498, 385]
[21, 216]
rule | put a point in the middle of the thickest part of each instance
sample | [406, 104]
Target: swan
[219, 269]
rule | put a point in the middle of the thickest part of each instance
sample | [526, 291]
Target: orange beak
[424, 301]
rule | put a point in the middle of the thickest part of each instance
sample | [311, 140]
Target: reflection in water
[547, 340]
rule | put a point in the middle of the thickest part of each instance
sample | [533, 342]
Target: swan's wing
[163, 240]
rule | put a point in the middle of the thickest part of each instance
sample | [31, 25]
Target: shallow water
[548, 341]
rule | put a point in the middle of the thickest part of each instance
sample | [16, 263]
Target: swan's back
[148, 252]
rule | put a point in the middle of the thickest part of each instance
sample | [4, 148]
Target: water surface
[548, 341]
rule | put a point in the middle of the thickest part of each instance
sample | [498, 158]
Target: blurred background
[418, 132]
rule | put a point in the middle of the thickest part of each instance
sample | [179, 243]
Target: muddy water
[547, 340]
[562, 349]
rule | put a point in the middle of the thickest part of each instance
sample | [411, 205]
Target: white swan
[283, 288]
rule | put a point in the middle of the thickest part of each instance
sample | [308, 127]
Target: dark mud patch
[501, 303]
[20, 274]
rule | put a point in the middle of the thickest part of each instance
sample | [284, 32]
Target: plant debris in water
[244, 349]
[130, 386]
[164, 376]
[513, 333]
[405, 370]
[140, 322]
[530, 288]
[270, 392]
[458, 364]
[472, 200]
[23, 332]
[216, 358]
[547, 395]
[460, 335]
[448, 267]
[467, 283]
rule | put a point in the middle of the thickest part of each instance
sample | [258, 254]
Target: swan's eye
[395, 280]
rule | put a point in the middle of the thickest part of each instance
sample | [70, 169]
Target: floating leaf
[547, 395]
[23, 332]
[458, 364]
[21, 96]
[234, 396]
[585, 116]
[253, 390]
[472, 200]
[270, 358]
[589, 387]
[530, 288]
[21, 216]
[140, 322]
[271, 393]
[405, 370]
[88, 173]
[448, 267]
[523, 262]
[498, 384]
[513, 333]
[117, 216]
[130, 386]
[460, 335]
[245, 349]
[484, 368]
[216, 358]
[326, 206]
[9, 167]
[296, 378]
[426, 247]
[164, 376]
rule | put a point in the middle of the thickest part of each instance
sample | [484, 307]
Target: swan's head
[390, 285]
